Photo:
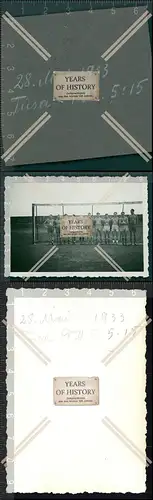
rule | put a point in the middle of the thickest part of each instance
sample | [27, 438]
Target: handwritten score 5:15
[135, 89]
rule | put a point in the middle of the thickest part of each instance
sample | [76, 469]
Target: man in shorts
[73, 238]
[106, 229]
[57, 228]
[115, 228]
[49, 225]
[89, 239]
[64, 240]
[132, 226]
[98, 228]
[123, 225]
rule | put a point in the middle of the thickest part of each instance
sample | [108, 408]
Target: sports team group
[117, 229]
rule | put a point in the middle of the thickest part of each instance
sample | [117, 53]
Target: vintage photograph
[71, 226]
[69, 353]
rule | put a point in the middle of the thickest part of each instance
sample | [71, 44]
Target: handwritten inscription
[105, 317]
[23, 103]
[135, 89]
[26, 80]
[52, 326]
[77, 335]
[48, 319]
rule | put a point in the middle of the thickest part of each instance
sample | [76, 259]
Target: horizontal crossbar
[86, 204]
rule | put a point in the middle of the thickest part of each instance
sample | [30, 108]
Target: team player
[49, 225]
[89, 239]
[98, 228]
[132, 226]
[115, 228]
[63, 239]
[73, 238]
[106, 229]
[123, 225]
[57, 228]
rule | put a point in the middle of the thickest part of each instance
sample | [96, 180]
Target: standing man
[57, 228]
[63, 239]
[106, 229]
[115, 228]
[49, 225]
[98, 227]
[73, 238]
[123, 225]
[90, 238]
[132, 226]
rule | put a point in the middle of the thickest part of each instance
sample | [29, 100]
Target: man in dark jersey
[132, 226]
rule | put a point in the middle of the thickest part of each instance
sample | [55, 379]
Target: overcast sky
[23, 194]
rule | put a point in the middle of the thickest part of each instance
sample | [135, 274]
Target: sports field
[71, 257]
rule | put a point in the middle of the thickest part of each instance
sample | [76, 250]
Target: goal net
[68, 223]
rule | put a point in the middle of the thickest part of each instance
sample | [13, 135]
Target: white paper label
[76, 85]
[76, 390]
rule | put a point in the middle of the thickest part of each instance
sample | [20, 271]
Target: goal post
[41, 211]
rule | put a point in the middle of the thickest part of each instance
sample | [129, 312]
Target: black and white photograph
[76, 226]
